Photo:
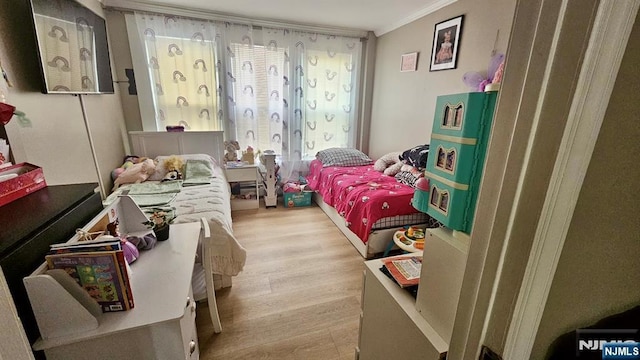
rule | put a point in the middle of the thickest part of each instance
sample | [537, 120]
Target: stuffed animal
[136, 173]
[248, 155]
[231, 153]
[389, 164]
[173, 164]
[172, 176]
[126, 163]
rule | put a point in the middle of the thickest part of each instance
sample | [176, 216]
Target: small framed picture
[446, 41]
[409, 62]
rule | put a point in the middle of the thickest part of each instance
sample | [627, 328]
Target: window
[184, 83]
[258, 92]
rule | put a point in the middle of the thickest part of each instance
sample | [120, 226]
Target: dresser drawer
[188, 329]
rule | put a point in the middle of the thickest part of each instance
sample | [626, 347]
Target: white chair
[205, 239]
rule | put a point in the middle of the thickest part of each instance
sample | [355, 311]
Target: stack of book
[99, 267]
[404, 270]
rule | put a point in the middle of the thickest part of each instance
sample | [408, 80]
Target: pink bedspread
[360, 194]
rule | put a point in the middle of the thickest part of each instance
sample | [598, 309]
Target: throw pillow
[416, 156]
[343, 157]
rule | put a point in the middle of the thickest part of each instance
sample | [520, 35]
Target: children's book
[109, 244]
[103, 274]
[405, 270]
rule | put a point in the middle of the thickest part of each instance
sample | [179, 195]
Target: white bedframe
[378, 239]
[152, 144]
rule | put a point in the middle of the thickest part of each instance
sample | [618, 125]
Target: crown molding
[217, 16]
[431, 8]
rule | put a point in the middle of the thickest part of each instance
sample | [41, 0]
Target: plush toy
[131, 160]
[393, 169]
[389, 164]
[248, 155]
[126, 163]
[136, 173]
[477, 82]
[231, 153]
[172, 176]
[173, 164]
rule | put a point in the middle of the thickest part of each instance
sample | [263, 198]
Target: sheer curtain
[275, 89]
[291, 91]
[181, 62]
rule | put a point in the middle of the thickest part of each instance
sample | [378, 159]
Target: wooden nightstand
[244, 186]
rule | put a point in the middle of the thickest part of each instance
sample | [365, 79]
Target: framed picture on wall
[446, 41]
[409, 62]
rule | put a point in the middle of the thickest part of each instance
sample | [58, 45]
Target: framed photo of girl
[446, 40]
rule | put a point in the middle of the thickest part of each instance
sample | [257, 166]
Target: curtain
[181, 62]
[275, 89]
[291, 91]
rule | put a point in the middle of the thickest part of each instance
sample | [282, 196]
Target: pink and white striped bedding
[363, 196]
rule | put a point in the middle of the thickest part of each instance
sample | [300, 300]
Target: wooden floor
[298, 296]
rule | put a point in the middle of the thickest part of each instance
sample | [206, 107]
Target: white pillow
[161, 171]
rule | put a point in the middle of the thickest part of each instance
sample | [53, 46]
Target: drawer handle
[188, 301]
[192, 347]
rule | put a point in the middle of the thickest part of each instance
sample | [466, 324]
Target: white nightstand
[246, 178]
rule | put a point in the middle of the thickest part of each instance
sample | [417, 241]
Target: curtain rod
[131, 6]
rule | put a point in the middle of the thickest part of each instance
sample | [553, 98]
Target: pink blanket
[361, 195]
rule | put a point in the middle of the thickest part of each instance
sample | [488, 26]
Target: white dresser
[162, 323]
[390, 325]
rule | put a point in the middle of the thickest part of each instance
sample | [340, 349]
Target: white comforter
[211, 202]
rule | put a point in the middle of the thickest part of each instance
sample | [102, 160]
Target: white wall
[57, 138]
[404, 102]
[599, 269]
[122, 60]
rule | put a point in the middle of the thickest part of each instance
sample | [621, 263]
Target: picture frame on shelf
[446, 42]
[409, 62]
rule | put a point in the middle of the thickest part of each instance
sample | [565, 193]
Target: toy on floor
[173, 164]
[231, 151]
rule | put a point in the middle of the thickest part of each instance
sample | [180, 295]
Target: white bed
[209, 201]
[379, 239]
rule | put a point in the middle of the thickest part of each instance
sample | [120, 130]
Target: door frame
[525, 205]
[611, 29]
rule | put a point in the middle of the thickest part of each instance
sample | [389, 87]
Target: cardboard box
[297, 199]
[23, 179]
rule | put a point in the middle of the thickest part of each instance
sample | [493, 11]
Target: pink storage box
[29, 179]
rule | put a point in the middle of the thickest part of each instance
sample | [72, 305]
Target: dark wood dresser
[30, 224]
